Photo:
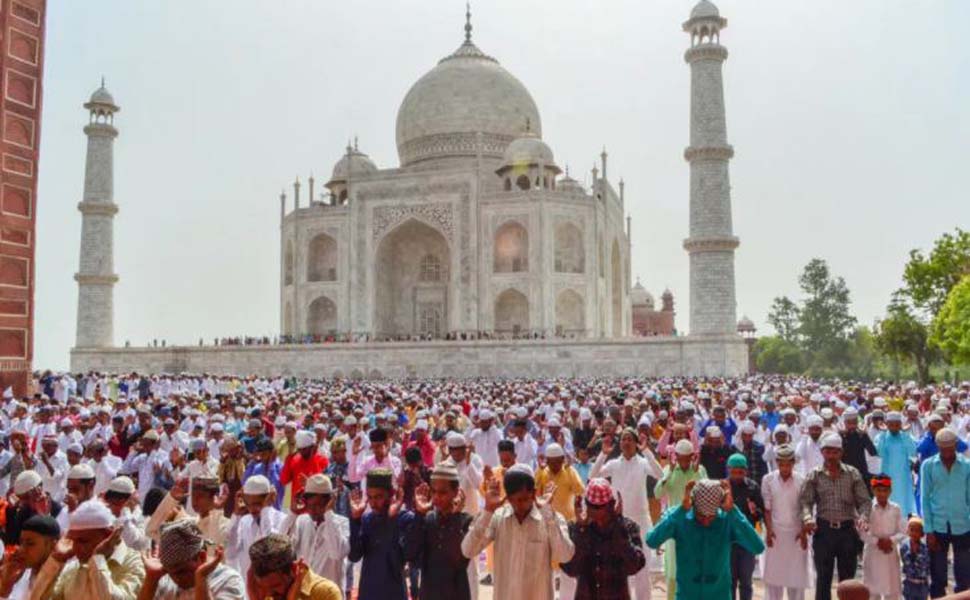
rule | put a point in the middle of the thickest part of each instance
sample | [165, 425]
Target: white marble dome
[639, 296]
[355, 162]
[102, 98]
[468, 93]
[528, 149]
[704, 9]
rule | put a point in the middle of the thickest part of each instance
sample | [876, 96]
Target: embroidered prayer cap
[178, 542]
[76, 448]
[748, 428]
[92, 514]
[81, 471]
[445, 471]
[197, 444]
[257, 485]
[272, 554]
[598, 492]
[422, 424]
[737, 461]
[206, 483]
[683, 448]
[121, 485]
[713, 431]
[44, 525]
[785, 452]
[815, 421]
[151, 435]
[706, 497]
[380, 478]
[894, 416]
[554, 451]
[319, 484]
[26, 481]
[832, 440]
[305, 439]
[945, 438]
[523, 469]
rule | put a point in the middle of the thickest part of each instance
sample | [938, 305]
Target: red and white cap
[598, 492]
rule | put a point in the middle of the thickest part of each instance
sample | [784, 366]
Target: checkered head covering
[706, 497]
[179, 541]
[598, 492]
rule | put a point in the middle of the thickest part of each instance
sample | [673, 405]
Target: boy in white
[887, 528]
[786, 564]
[254, 518]
[320, 536]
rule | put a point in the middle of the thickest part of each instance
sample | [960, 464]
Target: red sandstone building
[647, 320]
[21, 67]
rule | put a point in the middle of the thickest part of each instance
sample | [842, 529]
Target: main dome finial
[468, 22]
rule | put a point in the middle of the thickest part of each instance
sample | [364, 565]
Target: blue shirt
[927, 446]
[728, 428]
[379, 541]
[583, 470]
[771, 419]
[945, 495]
[271, 472]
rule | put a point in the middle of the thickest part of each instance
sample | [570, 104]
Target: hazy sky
[848, 119]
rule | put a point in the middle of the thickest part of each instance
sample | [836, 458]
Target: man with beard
[182, 566]
[856, 444]
[38, 536]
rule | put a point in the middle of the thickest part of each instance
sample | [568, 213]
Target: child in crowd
[916, 562]
[887, 527]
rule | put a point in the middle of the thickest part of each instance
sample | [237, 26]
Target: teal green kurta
[670, 489]
[704, 560]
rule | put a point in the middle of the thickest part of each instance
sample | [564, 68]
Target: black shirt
[434, 544]
[746, 490]
[715, 460]
[855, 445]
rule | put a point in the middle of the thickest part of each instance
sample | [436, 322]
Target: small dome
[667, 294]
[746, 324]
[528, 150]
[102, 96]
[569, 185]
[639, 296]
[704, 9]
[355, 162]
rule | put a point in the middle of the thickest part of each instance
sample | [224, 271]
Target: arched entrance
[411, 292]
[570, 314]
[321, 317]
[511, 313]
[322, 259]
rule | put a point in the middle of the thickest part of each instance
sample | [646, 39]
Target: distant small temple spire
[468, 22]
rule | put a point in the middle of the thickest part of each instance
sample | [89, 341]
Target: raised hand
[270, 498]
[358, 445]
[546, 497]
[493, 496]
[686, 502]
[607, 444]
[487, 473]
[108, 544]
[582, 518]
[133, 501]
[222, 498]
[396, 503]
[11, 571]
[300, 569]
[422, 499]
[459, 503]
[205, 569]
[357, 504]
[240, 505]
[727, 504]
[618, 510]
[181, 488]
[769, 537]
[70, 500]
[153, 566]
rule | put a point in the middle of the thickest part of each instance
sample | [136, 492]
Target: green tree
[774, 354]
[951, 327]
[785, 318]
[929, 279]
[825, 321]
[904, 337]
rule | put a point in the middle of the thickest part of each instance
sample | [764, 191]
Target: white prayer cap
[713, 431]
[742, 406]
[554, 451]
[850, 413]
[832, 440]
[554, 422]
[76, 448]
[585, 414]
[92, 514]
[644, 420]
[257, 485]
[305, 439]
[122, 485]
[319, 427]
[422, 424]
[26, 481]
[456, 440]
[486, 415]
[880, 402]
[748, 428]
[827, 413]
[351, 420]
[684, 448]
[65, 422]
[815, 421]
[522, 468]
[945, 438]
[780, 428]
[521, 412]
[319, 484]
[81, 471]
[934, 417]
[894, 416]
[216, 427]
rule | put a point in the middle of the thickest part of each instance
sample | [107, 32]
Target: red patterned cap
[598, 492]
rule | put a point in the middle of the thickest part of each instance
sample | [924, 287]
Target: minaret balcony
[706, 52]
[692, 153]
[720, 243]
[88, 207]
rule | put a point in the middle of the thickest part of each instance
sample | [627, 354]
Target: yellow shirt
[568, 485]
[315, 587]
[117, 577]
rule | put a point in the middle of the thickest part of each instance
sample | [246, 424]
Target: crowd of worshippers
[134, 487]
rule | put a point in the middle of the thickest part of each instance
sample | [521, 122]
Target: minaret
[712, 242]
[95, 277]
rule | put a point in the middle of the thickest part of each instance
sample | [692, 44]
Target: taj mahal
[477, 255]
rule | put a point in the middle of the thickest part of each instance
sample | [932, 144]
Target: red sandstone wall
[21, 74]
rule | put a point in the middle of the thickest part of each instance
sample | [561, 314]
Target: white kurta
[243, 531]
[881, 571]
[786, 564]
[809, 455]
[324, 546]
[523, 552]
